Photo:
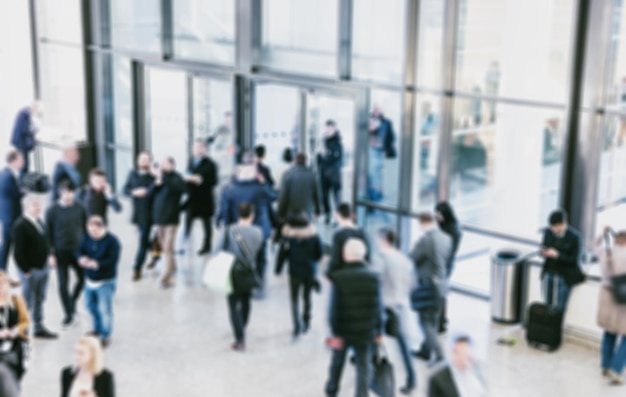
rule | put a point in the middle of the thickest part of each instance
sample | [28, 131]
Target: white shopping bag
[217, 272]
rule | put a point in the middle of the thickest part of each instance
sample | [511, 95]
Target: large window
[204, 30]
[616, 65]
[430, 43]
[426, 152]
[301, 36]
[123, 102]
[60, 22]
[136, 25]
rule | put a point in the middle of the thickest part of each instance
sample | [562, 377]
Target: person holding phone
[87, 377]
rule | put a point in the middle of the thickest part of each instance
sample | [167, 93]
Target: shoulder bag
[618, 281]
[218, 269]
[243, 274]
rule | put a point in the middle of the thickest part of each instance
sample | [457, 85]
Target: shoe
[421, 355]
[442, 330]
[152, 263]
[93, 333]
[259, 294]
[238, 346]
[46, 334]
[305, 326]
[67, 322]
[615, 379]
[204, 251]
[406, 389]
[106, 342]
[136, 275]
[165, 284]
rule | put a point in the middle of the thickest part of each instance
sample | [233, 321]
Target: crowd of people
[374, 286]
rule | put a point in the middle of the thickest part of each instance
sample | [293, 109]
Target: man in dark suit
[347, 230]
[561, 248]
[201, 179]
[263, 169]
[356, 317]
[10, 202]
[462, 373]
[31, 256]
[24, 131]
[136, 187]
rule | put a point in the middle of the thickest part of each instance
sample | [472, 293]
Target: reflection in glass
[378, 40]
[372, 221]
[204, 30]
[616, 78]
[61, 23]
[136, 25]
[506, 169]
[430, 43]
[300, 36]
[426, 153]
[612, 189]
[122, 102]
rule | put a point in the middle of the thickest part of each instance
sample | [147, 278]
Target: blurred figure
[302, 248]
[492, 88]
[449, 225]
[98, 196]
[330, 163]
[14, 324]
[264, 170]
[385, 133]
[355, 318]
[346, 230]
[87, 377]
[381, 146]
[551, 141]
[165, 195]
[461, 377]
[221, 146]
[99, 255]
[430, 256]
[244, 240]
[8, 383]
[201, 179]
[397, 279]
[11, 194]
[31, 257]
[612, 316]
[24, 133]
[429, 128]
[561, 247]
[298, 191]
[66, 220]
[137, 187]
[284, 167]
[65, 170]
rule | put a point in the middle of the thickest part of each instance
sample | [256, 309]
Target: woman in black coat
[449, 225]
[87, 378]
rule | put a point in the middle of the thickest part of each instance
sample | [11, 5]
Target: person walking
[166, 193]
[137, 186]
[355, 318]
[449, 225]
[66, 170]
[430, 257]
[346, 230]
[330, 163]
[24, 133]
[397, 277]
[244, 240]
[98, 196]
[611, 315]
[14, 325]
[31, 257]
[298, 190]
[87, 377]
[11, 194]
[66, 221]
[302, 249]
[201, 180]
[99, 255]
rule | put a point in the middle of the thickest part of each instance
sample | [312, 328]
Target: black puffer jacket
[356, 305]
[302, 248]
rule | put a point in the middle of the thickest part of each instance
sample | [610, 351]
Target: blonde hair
[95, 350]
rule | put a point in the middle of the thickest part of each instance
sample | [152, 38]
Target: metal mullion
[304, 122]
[167, 29]
[507, 100]
[34, 42]
[94, 87]
[190, 114]
[248, 27]
[344, 33]
[362, 102]
[140, 108]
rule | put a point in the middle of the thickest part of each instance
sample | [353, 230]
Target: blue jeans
[563, 291]
[375, 174]
[34, 289]
[612, 358]
[404, 349]
[144, 244]
[99, 302]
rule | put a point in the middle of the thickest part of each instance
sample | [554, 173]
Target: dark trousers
[143, 247]
[328, 189]
[296, 285]
[363, 357]
[429, 322]
[26, 169]
[403, 344]
[34, 288]
[66, 260]
[5, 246]
[239, 310]
[208, 229]
[261, 262]
[443, 318]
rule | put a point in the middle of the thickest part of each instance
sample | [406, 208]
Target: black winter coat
[330, 164]
[302, 248]
[31, 247]
[201, 202]
[166, 199]
[142, 206]
[103, 384]
[356, 309]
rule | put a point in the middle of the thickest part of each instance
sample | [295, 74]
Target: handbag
[425, 296]
[383, 382]
[217, 272]
[243, 275]
[618, 281]
[392, 323]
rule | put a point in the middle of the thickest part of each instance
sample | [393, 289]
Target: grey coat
[430, 256]
[298, 192]
[611, 316]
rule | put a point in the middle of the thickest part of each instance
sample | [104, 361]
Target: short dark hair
[331, 123]
[426, 217]
[344, 210]
[245, 210]
[388, 235]
[557, 217]
[12, 155]
[66, 186]
[301, 159]
[287, 155]
[97, 220]
[97, 172]
[259, 150]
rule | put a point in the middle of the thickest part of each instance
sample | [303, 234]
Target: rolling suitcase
[545, 326]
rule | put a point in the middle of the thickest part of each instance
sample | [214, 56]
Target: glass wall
[60, 23]
[426, 152]
[430, 43]
[136, 25]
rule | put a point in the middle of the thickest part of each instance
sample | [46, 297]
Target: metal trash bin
[507, 278]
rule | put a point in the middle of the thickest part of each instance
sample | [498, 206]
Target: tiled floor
[176, 343]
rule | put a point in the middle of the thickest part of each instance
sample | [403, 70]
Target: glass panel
[213, 121]
[616, 79]
[124, 162]
[62, 93]
[136, 25]
[378, 40]
[62, 23]
[301, 36]
[204, 30]
[277, 122]
[426, 151]
[506, 173]
[167, 115]
[373, 220]
[612, 185]
[383, 148]
[515, 48]
[122, 102]
[430, 43]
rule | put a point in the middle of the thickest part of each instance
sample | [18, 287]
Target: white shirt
[468, 383]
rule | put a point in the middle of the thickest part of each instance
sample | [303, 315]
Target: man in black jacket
[31, 256]
[561, 248]
[356, 317]
[347, 230]
[298, 191]
[165, 193]
[201, 179]
[137, 185]
[330, 163]
[98, 195]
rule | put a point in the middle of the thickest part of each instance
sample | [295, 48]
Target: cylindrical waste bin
[506, 286]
